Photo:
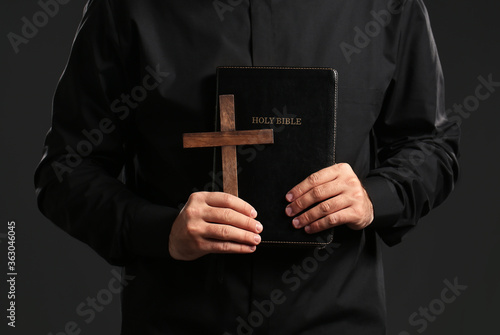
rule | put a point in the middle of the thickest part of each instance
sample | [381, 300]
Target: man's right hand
[214, 222]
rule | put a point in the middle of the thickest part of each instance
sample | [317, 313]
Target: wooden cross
[228, 138]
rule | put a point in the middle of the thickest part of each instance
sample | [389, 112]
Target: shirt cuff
[149, 231]
[387, 205]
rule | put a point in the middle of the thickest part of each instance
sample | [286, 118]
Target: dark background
[458, 241]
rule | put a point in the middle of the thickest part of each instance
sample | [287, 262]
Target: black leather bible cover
[300, 105]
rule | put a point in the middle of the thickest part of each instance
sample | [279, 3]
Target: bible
[300, 106]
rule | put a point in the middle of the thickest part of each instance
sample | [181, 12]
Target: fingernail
[259, 227]
[254, 213]
[296, 223]
[307, 229]
[289, 197]
[257, 238]
[288, 211]
[253, 248]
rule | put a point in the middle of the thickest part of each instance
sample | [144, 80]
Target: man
[141, 73]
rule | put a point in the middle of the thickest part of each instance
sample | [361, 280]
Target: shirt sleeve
[77, 182]
[417, 146]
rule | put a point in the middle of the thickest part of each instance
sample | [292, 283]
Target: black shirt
[141, 73]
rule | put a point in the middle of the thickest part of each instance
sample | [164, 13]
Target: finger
[222, 232]
[322, 210]
[344, 216]
[315, 179]
[226, 247]
[325, 175]
[316, 195]
[225, 200]
[228, 216]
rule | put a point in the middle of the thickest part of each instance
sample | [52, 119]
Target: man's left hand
[340, 199]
